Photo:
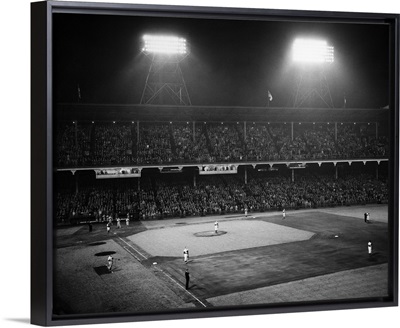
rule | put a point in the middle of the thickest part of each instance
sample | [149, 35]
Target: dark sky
[232, 62]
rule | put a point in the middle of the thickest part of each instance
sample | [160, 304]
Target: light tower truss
[312, 90]
[165, 84]
[311, 85]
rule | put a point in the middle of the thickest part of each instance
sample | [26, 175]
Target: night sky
[231, 62]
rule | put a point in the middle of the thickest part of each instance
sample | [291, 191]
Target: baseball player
[283, 214]
[108, 226]
[245, 212]
[118, 223]
[369, 247]
[216, 225]
[127, 219]
[110, 263]
[186, 255]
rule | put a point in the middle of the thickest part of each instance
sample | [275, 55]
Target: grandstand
[262, 154]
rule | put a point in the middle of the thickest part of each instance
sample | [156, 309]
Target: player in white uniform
[127, 219]
[110, 263]
[369, 247]
[186, 255]
[216, 225]
[283, 214]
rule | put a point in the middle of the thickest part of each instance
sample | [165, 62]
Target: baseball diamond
[312, 255]
[240, 235]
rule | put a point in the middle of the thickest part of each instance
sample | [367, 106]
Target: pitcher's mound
[209, 233]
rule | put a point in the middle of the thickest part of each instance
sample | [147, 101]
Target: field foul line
[126, 248]
[167, 275]
[133, 248]
[183, 288]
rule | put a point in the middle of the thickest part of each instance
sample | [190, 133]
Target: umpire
[187, 277]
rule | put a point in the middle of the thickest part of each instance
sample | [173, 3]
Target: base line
[133, 248]
[126, 248]
[167, 275]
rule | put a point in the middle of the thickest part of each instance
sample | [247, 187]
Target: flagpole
[79, 93]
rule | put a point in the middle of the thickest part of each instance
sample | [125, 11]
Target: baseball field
[310, 255]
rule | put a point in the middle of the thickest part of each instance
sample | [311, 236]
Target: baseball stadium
[273, 179]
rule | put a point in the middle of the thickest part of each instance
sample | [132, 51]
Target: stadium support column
[244, 131]
[76, 182]
[76, 133]
[292, 130]
[376, 130]
[194, 179]
[335, 131]
[138, 134]
[194, 131]
[336, 172]
[292, 175]
[245, 175]
[132, 139]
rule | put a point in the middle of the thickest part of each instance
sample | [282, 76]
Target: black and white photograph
[220, 160]
[223, 161]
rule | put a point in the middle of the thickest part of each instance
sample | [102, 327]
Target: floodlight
[165, 83]
[312, 51]
[164, 44]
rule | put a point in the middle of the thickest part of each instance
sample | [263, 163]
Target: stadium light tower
[311, 88]
[165, 84]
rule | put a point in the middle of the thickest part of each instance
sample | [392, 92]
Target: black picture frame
[43, 109]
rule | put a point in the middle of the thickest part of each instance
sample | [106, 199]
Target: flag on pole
[269, 96]
[79, 93]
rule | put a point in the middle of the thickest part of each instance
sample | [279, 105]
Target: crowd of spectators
[95, 200]
[167, 143]
[320, 141]
[73, 144]
[225, 144]
[176, 195]
[355, 141]
[259, 144]
[189, 147]
[113, 144]
[154, 144]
